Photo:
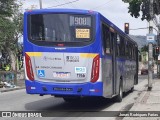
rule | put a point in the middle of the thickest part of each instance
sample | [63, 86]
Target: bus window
[131, 51]
[122, 47]
[127, 50]
[118, 45]
[60, 28]
[106, 39]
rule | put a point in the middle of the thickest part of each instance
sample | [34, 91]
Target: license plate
[61, 74]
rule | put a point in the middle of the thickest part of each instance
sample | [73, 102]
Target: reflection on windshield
[60, 27]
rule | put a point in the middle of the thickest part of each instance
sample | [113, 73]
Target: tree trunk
[13, 62]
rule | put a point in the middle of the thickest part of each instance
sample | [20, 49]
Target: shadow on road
[58, 104]
[86, 104]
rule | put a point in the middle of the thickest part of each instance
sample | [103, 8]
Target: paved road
[20, 101]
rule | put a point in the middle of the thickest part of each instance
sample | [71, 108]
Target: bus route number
[80, 21]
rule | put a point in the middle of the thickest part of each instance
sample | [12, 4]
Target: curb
[12, 89]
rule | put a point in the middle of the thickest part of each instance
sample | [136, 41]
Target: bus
[72, 53]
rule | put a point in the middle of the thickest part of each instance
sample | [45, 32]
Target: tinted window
[122, 47]
[106, 39]
[60, 28]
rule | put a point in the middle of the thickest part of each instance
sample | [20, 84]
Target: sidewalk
[20, 85]
[148, 101]
[20, 82]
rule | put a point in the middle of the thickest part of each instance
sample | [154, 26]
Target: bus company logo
[49, 58]
[72, 58]
[80, 69]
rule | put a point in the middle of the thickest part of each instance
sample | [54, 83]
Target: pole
[40, 4]
[150, 63]
[150, 50]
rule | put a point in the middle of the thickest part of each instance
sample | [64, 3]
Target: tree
[14, 35]
[10, 29]
[137, 6]
[144, 49]
[6, 7]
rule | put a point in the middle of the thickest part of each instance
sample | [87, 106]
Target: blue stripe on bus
[88, 89]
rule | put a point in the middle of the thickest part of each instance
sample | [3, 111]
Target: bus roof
[36, 11]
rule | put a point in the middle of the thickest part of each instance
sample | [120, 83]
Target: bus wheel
[120, 94]
[71, 99]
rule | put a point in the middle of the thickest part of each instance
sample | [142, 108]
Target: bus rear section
[62, 54]
[63, 73]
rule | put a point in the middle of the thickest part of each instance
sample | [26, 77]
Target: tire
[119, 97]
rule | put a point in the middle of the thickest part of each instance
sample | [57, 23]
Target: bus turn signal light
[29, 69]
[95, 69]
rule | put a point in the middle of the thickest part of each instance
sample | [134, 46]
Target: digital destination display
[80, 21]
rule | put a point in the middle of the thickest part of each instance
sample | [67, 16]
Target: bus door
[114, 63]
[110, 58]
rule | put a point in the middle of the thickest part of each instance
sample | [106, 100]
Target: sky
[114, 10]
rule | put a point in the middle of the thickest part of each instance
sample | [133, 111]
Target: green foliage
[137, 6]
[10, 24]
[10, 29]
[134, 8]
[6, 7]
[144, 48]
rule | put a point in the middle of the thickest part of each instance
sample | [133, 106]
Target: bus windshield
[60, 28]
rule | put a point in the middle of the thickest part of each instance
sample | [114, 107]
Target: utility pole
[150, 50]
[40, 4]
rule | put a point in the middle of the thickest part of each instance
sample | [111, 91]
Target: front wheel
[120, 94]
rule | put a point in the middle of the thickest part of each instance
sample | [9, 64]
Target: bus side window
[130, 50]
[134, 54]
[127, 50]
[106, 39]
[108, 47]
[122, 46]
[118, 45]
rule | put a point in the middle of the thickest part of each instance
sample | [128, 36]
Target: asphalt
[146, 107]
